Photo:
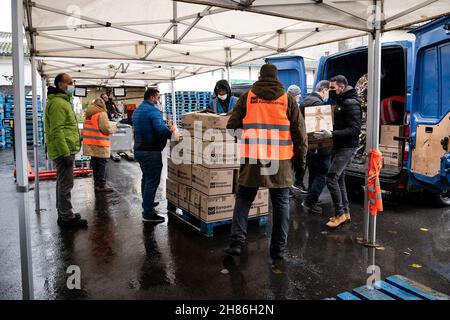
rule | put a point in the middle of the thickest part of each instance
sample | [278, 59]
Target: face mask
[332, 94]
[326, 97]
[222, 97]
[70, 90]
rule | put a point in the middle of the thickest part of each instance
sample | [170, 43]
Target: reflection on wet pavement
[121, 258]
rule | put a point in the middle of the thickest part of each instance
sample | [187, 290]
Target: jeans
[64, 185]
[280, 226]
[318, 165]
[299, 174]
[151, 167]
[336, 178]
[99, 171]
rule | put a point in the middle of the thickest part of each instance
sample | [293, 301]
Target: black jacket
[314, 99]
[347, 119]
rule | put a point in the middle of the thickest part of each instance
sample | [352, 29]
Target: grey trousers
[340, 158]
[64, 185]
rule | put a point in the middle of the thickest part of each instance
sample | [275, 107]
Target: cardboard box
[392, 156]
[208, 120]
[212, 181]
[172, 191]
[220, 154]
[217, 208]
[260, 205]
[388, 133]
[318, 144]
[181, 173]
[195, 202]
[207, 126]
[318, 118]
[184, 196]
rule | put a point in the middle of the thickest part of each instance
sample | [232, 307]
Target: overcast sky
[5, 15]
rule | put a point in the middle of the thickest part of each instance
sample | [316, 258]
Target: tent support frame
[21, 150]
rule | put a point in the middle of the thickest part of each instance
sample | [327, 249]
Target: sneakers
[300, 188]
[233, 250]
[104, 189]
[74, 222]
[314, 209]
[335, 222]
[153, 218]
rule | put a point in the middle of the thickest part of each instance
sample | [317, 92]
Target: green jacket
[60, 124]
[250, 174]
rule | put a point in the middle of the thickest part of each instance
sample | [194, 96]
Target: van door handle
[444, 143]
[405, 139]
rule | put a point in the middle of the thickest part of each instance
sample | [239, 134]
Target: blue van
[291, 70]
[420, 71]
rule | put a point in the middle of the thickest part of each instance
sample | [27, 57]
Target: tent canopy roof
[208, 33]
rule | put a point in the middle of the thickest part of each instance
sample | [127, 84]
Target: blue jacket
[150, 130]
[216, 106]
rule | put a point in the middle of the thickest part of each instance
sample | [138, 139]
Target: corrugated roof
[6, 44]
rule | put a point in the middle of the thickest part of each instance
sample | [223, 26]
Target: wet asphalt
[121, 258]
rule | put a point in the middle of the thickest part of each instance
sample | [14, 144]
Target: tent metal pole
[369, 115]
[174, 102]
[43, 103]
[37, 204]
[373, 120]
[21, 149]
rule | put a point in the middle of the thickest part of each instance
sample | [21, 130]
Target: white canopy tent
[193, 33]
[101, 72]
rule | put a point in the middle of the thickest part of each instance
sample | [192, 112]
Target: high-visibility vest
[387, 112]
[373, 182]
[266, 129]
[92, 135]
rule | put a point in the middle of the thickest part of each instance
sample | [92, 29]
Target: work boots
[336, 221]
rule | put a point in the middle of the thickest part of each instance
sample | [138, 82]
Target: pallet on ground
[395, 287]
[204, 228]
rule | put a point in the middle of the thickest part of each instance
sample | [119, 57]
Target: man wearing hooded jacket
[265, 107]
[223, 101]
[346, 130]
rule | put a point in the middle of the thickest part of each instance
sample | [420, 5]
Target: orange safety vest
[373, 183]
[92, 135]
[266, 129]
[387, 112]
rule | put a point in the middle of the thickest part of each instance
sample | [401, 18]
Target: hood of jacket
[93, 109]
[268, 88]
[226, 85]
[53, 92]
[349, 93]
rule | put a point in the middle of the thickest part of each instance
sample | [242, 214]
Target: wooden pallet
[204, 228]
[394, 288]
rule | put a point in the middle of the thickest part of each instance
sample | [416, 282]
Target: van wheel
[441, 200]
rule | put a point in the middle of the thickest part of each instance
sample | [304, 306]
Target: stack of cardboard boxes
[391, 149]
[203, 170]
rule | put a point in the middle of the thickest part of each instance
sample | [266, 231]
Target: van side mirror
[447, 28]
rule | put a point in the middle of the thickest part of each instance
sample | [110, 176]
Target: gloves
[68, 161]
[324, 134]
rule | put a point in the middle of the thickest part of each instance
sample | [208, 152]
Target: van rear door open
[429, 163]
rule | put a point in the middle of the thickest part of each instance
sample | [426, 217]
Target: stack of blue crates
[8, 118]
[187, 101]
[2, 116]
